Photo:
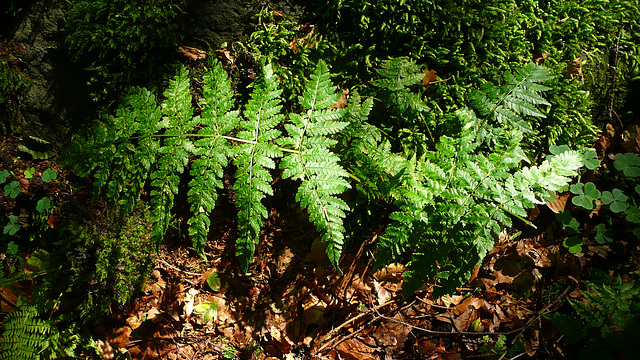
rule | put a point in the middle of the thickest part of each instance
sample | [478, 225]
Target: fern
[213, 152]
[313, 163]
[454, 199]
[26, 336]
[504, 105]
[254, 158]
[146, 142]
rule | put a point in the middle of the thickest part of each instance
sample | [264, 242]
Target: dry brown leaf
[559, 203]
[192, 53]
[574, 68]
[539, 56]
[596, 210]
[342, 102]
[382, 294]
[429, 77]
[277, 15]
[354, 349]
[225, 57]
[390, 272]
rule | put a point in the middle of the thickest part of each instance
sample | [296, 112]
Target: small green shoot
[214, 281]
[29, 172]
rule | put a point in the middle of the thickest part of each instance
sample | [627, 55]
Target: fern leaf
[254, 159]
[314, 164]
[212, 150]
[175, 151]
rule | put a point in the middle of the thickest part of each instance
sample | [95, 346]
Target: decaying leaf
[342, 102]
[192, 53]
[574, 68]
[539, 56]
[429, 77]
[559, 203]
[225, 57]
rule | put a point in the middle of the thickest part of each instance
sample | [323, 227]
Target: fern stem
[210, 136]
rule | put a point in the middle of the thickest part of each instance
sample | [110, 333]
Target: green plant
[148, 141]
[450, 202]
[466, 42]
[288, 46]
[605, 320]
[622, 202]
[122, 43]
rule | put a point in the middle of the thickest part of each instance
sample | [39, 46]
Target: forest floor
[293, 305]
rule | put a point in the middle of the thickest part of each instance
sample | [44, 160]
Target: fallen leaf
[192, 53]
[277, 15]
[559, 203]
[574, 68]
[429, 77]
[539, 56]
[52, 220]
[225, 57]
[354, 349]
[342, 102]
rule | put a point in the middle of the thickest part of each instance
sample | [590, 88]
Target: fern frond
[174, 151]
[505, 105]
[213, 151]
[26, 336]
[254, 159]
[314, 164]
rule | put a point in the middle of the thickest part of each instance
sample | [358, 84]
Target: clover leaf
[4, 174]
[12, 227]
[12, 248]
[628, 163]
[49, 175]
[574, 244]
[633, 215]
[590, 159]
[12, 189]
[617, 201]
[43, 204]
[603, 234]
[586, 194]
[29, 172]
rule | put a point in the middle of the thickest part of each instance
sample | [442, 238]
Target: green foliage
[468, 41]
[288, 46]
[145, 141]
[605, 321]
[452, 200]
[26, 336]
[622, 201]
[12, 82]
[120, 42]
[100, 264]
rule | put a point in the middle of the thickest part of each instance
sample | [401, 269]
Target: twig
[177, 269]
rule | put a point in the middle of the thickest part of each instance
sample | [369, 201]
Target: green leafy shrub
[122, 43]
[605, 322]
[12, 81]
[453, 200]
